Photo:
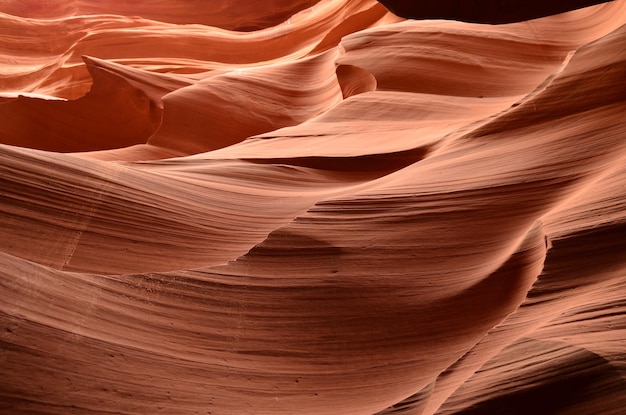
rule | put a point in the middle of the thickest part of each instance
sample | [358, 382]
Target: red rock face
[310, 208]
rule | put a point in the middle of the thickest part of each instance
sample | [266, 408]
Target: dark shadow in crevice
[584, 383]
[379, 164]
[484, 11]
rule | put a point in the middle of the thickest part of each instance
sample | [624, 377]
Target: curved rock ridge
[55, 46]
[311, 207]
[227, 14]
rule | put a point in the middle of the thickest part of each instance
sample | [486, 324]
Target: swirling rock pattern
[312, 207]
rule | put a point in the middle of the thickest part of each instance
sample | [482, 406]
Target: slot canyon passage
[316, 207]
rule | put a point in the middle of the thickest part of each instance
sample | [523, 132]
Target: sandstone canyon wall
[310, 207]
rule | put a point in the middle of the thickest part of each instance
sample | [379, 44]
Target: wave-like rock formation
[311, 207]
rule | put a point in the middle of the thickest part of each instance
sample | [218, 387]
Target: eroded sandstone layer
[310, 207]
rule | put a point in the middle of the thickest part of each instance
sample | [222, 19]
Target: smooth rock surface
[310, 207]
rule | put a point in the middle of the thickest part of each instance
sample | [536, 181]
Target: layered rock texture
[311, 207]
